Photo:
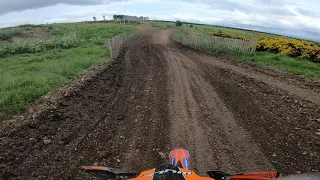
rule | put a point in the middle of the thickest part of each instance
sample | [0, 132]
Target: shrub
[291, 47]
[50, 28]
[160, 25]
[135, 22]
[39, 45]
[6, 34]
[179, 23]
[29, 25]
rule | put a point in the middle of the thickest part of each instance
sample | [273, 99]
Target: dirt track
[158, 95]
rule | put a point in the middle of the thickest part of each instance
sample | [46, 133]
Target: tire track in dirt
[281, 123]
[308, 95]
[202, 123]
[158, 95]
[115, 120]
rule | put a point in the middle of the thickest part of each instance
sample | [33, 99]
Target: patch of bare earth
[33, 33]
[38, 33]
[158, 95]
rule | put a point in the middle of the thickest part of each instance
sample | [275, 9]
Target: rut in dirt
[159, 95]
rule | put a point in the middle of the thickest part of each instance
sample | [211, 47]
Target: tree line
[115, 17]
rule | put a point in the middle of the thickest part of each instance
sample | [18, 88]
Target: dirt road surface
[159, 95]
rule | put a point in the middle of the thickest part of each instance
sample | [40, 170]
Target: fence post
[110, 47]
[254, 45]
[114, 44]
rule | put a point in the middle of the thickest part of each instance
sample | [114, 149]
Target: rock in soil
[47, 141]
[162, 155]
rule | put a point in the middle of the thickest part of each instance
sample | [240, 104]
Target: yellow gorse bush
[228, 35]
[291, 47]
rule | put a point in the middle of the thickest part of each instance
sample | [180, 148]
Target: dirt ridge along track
[158, 95]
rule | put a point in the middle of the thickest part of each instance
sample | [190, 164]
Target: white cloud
[295, 18]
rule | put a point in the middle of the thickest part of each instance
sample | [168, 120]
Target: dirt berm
[159, 95]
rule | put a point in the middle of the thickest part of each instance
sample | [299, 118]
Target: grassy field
[269, 59]
[205, 29]
[32, 66]
[162, 25]
[282, 62]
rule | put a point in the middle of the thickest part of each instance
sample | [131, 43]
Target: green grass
[205, 29]
[268, 59]
[282, 62]
[8, 33]
[34, 45]
[179, 34]
[91, 30]
[160, 25]
[25, 77]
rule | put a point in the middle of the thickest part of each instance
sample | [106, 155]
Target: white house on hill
[127, 18]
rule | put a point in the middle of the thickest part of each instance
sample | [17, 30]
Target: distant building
[128, 19]
[125, 17]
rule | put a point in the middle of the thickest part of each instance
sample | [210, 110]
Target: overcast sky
[298, 18]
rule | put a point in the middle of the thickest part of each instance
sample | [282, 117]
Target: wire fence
[114, 45]
[215, 43]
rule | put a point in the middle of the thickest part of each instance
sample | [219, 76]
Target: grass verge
[268, 59]
[25, 77]
[282, 62]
